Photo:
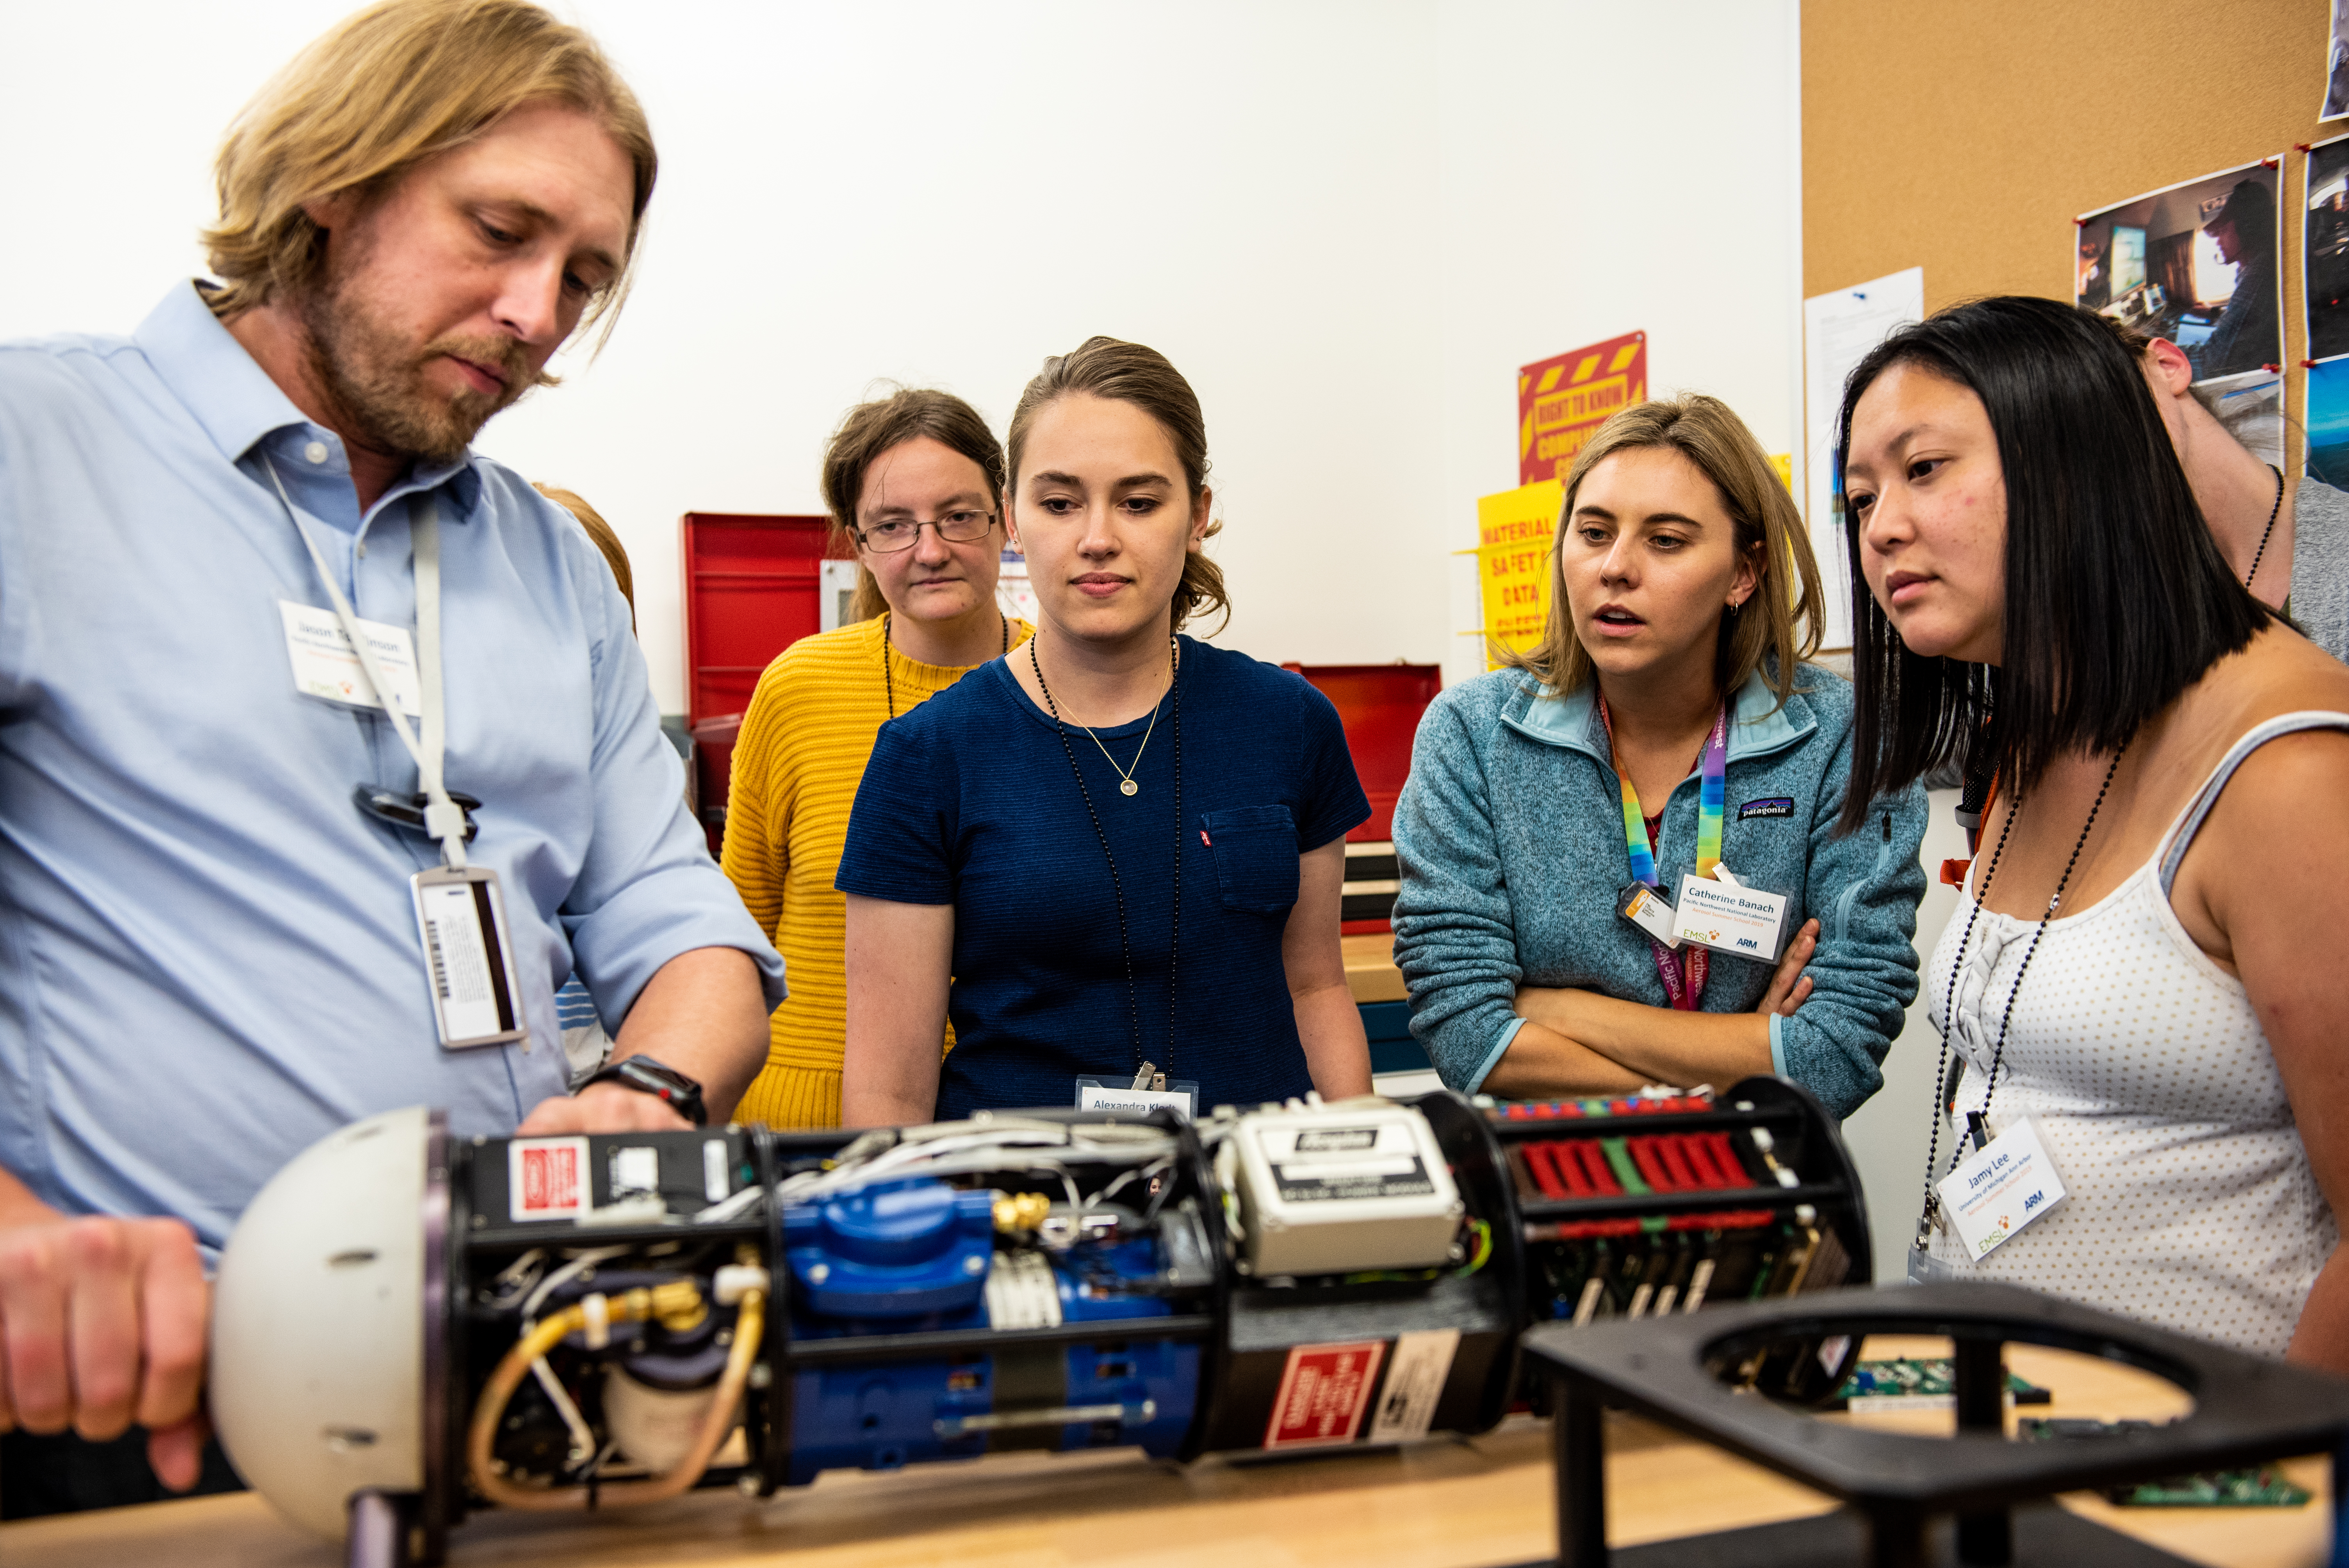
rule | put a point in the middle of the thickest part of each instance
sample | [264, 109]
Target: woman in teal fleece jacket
[1682, 585]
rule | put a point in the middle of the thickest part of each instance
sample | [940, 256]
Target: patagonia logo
[1775, 806]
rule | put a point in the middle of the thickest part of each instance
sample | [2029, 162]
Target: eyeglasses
[903, 532]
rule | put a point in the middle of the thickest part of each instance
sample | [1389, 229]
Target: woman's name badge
[2004, 1185]
[461, 917]
[1112, 1094]
[1729, 917]
[1644, 907]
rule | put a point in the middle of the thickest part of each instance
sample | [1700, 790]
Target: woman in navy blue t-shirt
[1113, 858]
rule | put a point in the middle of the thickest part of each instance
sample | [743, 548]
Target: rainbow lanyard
[1685, 987]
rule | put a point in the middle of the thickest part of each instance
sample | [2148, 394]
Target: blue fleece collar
[1572, 720]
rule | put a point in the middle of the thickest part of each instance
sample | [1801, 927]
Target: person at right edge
[2143, 978]
[2289, 543]
[1667, 722]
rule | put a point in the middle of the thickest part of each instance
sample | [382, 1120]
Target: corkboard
[1965, 139]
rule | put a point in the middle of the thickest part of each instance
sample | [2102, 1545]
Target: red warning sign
[1563, 400]
[1324, 1390]
[546, 1178]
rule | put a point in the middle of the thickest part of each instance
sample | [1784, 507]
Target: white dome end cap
[318, 1339]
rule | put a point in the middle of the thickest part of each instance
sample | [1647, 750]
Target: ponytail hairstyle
[1129, 373]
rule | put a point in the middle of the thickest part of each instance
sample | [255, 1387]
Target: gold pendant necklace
[1125, 784]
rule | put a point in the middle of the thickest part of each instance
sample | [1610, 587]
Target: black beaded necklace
[1124, 935]
[889, 686]
[1981, 1118]
[2274, 511]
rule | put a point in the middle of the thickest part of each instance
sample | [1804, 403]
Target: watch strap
[681, 1092]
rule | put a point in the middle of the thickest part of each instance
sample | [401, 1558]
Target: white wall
[1347, 220]
[1610, 168]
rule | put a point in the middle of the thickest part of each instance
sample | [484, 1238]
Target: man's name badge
[1644, 907]
[2004, 1185]
[1728, 917]
[461, 916]
[1110, 1094]
[326, 665]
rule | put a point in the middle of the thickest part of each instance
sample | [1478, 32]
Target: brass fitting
[678, 1305]
[1021, 1212]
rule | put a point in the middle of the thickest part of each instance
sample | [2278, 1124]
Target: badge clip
[405, 812]
[1644, 907]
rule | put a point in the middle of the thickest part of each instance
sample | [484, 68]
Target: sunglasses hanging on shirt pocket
[1254, 852]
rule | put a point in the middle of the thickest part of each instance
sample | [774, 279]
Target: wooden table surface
[1370, 972]
[1470, 1504]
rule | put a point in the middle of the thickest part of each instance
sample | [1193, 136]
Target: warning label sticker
[546, 1178]
[1324, 1390]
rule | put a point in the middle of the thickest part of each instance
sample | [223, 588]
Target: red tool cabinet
[749, 587]
[1380, 704]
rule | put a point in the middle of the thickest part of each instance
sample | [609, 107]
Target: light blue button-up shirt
[208, 954]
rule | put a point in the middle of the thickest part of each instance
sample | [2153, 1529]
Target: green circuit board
[1910, 1383]
[2264, 1487]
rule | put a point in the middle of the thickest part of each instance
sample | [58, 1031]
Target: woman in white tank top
[2144, 960]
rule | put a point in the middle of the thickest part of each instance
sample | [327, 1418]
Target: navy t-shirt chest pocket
[1254, 851]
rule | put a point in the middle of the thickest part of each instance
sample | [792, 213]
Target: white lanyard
[444, 819]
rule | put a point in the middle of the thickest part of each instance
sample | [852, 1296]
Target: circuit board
[2264, 1487]
[1911, 1383]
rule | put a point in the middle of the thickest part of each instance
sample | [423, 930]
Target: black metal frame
[2248, 1410]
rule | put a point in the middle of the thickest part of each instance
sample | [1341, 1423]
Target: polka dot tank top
[2189, 1201]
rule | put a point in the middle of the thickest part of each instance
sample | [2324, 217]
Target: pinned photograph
[2194, 264]
[2325, 236]
[2328, 422]
[2337, 65]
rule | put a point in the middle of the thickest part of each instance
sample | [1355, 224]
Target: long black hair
[2116, 596]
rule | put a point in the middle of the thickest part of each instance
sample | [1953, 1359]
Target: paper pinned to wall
[1513, 532]
[2336, 64]
[1838, 329]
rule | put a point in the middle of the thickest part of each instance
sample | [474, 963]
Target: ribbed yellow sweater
[805, 738]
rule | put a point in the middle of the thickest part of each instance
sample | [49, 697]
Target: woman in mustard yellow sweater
[915, 480]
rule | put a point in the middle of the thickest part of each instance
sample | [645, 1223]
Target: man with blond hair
[223, 856]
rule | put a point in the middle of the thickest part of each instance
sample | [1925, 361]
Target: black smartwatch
[647, 1076]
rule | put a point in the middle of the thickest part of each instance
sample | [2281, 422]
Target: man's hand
[702, 1013]
[102, 1324]
[1790, 988]
[602, 1107]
